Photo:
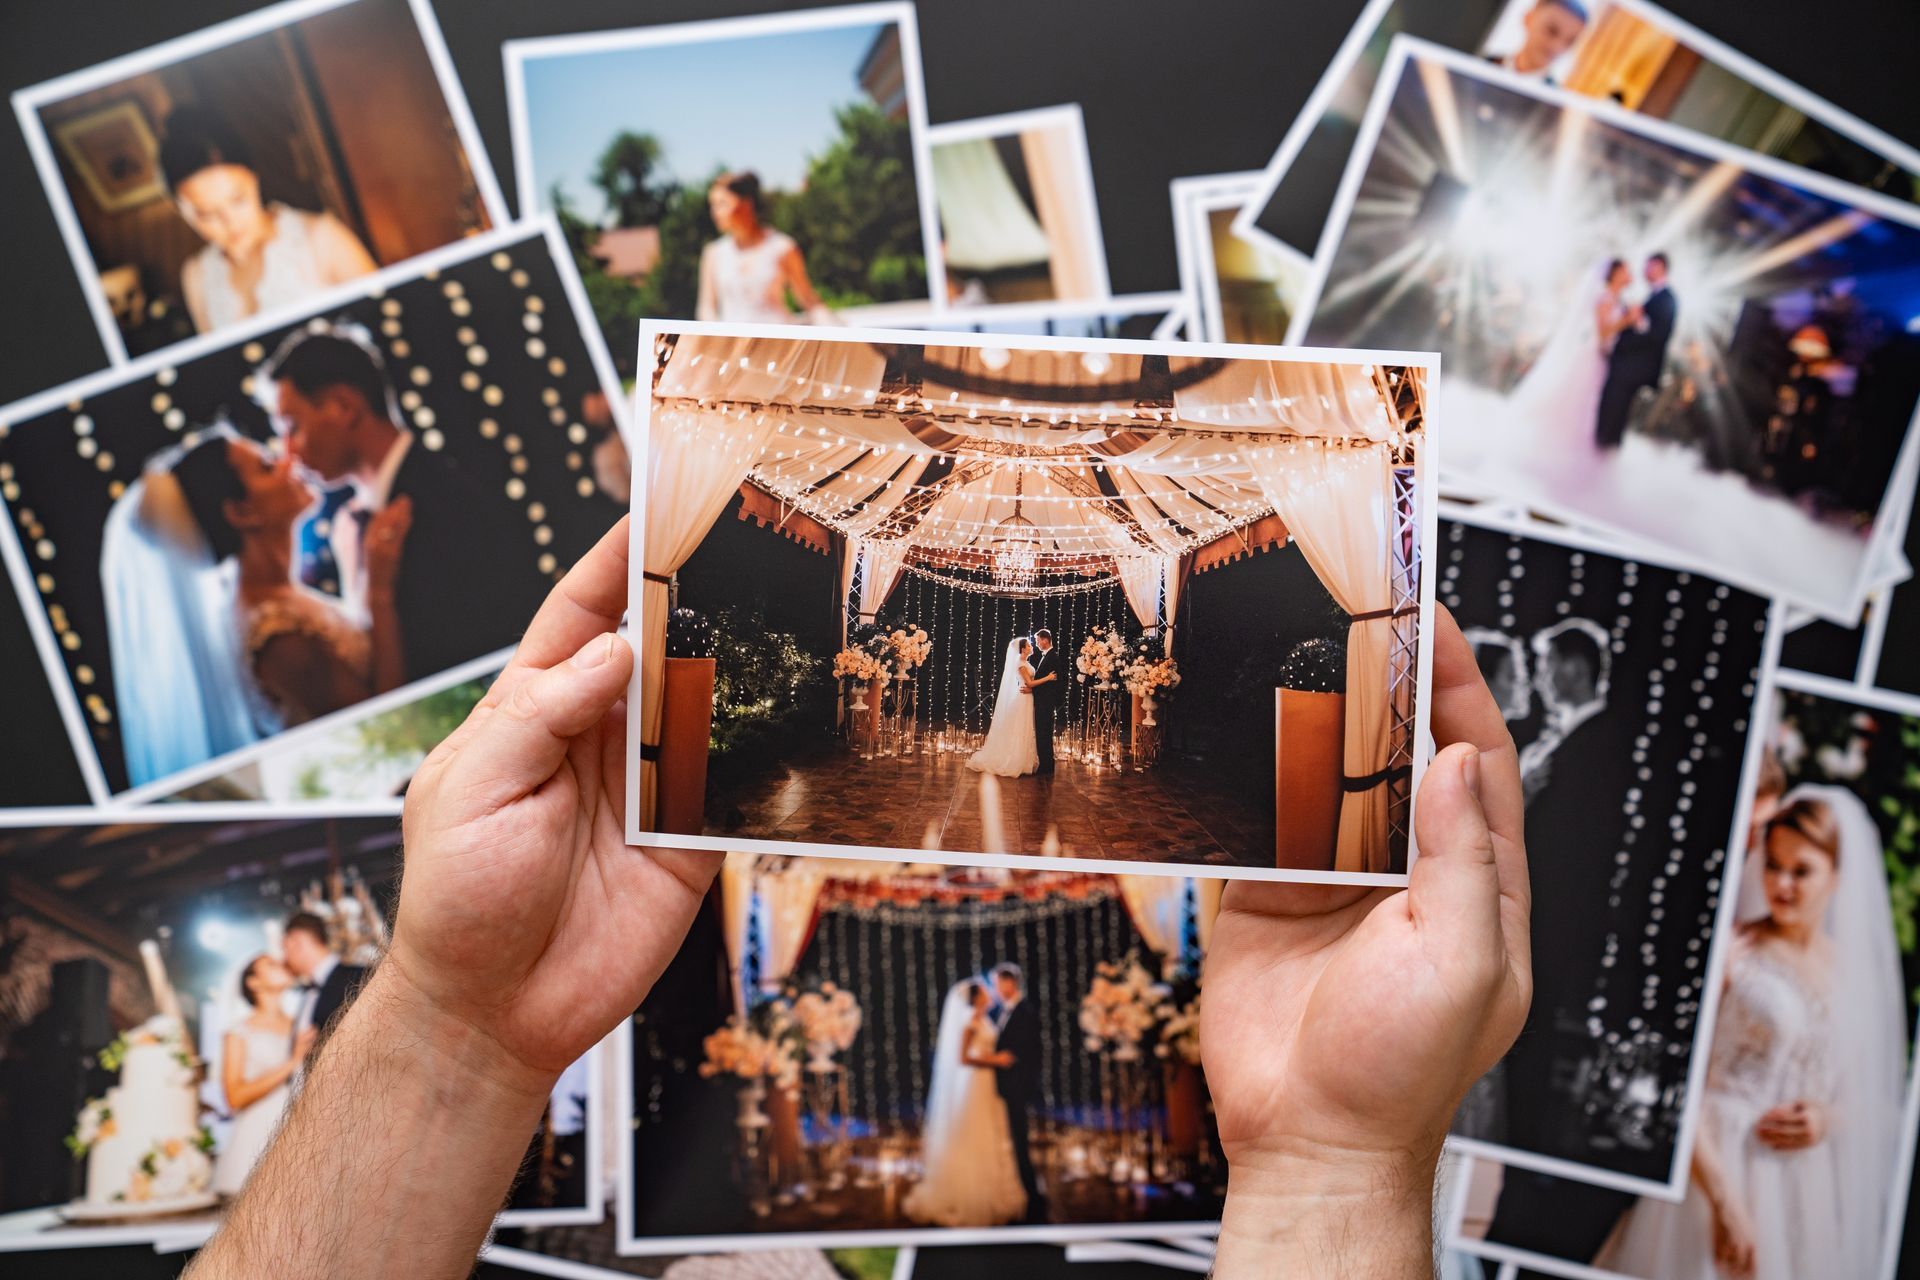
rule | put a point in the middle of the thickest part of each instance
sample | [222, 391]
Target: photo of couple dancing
[977, 1151]
[1593, 368]
[1020, 734]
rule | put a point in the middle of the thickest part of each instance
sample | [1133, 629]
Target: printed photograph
[228, 175]
[957, 596]
[754, 170]
[1137, 316]
[852, 1046]
[1628, 688]
[1622, 51]
[588, 1251]
[1689, 347]
[1242, 290]
[280, 527]
[1805, 1100]
[162, 988]
[1019, 221]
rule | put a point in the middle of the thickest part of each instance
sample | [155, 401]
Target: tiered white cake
[144, 1141]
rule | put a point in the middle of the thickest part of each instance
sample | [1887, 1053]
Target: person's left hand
[524, 914]
[1793, 1127]
[385, 543]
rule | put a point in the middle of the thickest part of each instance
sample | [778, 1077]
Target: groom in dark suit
[326, 986]
[1017, 1073]
[1639, 354]
[466, 585]
[1045, 691]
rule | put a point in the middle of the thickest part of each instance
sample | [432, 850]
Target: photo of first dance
[165, 987]
[308, 518]
[1696, 348]
[981, 598]
[848, 1051]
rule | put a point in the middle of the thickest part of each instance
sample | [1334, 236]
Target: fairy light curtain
[1338, 506]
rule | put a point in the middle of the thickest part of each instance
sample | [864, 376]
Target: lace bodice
[748, 284]
[1773, 1042]
[982, 1038]
[289, 273]
[297, 611]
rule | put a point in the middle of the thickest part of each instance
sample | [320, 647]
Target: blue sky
[763, 102]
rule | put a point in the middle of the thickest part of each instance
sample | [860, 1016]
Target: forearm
[395, 1156]
[1309, 1215]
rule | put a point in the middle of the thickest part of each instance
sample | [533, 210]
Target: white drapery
[1057, 175]
[786, 901]
[696, 461]
[1170, 567]
[1338, 506]
[1157, 905]
[1140, 579]
[986, 223]
[882, 565]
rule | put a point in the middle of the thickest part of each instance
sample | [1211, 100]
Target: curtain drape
[1057, 175]
[1140, 579]
[883, 564]
[696, 460]
[787, 899]
[1338, 506]
[987, 224]
[1174, 577]
[1157, 904]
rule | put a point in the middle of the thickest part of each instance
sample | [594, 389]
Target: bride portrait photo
[1798, 1126]
[901, 1047]
[165, 988]
[294, 523]
[1699, 349]
[1010, 601]
[255, 166]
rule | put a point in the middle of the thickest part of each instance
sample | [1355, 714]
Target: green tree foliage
[626, 175]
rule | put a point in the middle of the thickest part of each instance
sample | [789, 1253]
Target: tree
[858, 217]
[625, 176]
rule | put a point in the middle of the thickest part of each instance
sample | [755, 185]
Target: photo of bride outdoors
[1698, 348]
[899, 1047]
[290, 523]
[1006, 568]
[1807, 1084]
[166, 985]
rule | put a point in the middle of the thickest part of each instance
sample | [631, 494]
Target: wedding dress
[968, 1177]
[749, 285]
[1557, 401]
[1010, 748]
[290, 270]
[254, 1125]
[296, 611]
[1780, 1038]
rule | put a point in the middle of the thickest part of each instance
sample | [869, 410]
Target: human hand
[524, 915]
[1733, 1239]
[1026, 689]
[384, 543]
[1793, 1127]
[1342, 1025]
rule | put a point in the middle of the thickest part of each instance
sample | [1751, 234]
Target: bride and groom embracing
[976, 1158]
[1020, 736]
[216, 642]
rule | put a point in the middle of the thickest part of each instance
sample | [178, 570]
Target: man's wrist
[1303, 1209]
[462, 1059]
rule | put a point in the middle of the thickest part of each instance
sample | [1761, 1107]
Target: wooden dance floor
[1174, 811]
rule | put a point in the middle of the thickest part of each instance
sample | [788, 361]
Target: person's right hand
[1341, 1025]
[1733, 1246]
[385, 542]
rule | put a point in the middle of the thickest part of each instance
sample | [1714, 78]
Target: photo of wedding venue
[849, 1046]
[163, 986]
[1693, 347]
[987, 597]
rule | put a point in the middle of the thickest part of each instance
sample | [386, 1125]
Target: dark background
[1167, 90]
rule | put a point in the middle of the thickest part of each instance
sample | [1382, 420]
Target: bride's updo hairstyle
[744, 184]
[1813, 821]
[1613, 265]
[246, 979]
[195, 141]
[183, 496]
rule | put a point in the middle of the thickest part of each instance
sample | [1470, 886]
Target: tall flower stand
[752, 1123]
[1309, 774]
[1186, 1113]
[1101, 745]
[874, 696]
[1143, 730]
[783, 1114]
[686, 727]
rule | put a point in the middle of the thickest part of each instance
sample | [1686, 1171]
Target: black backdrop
[1168, 90]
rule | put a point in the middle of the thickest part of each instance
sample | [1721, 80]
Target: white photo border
[1426, 467]
[542, 228]
[1889, 517]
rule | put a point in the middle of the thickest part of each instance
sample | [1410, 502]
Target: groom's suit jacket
[1020, 1036]
[1048, 663]
[467, 583]
[1639, 354]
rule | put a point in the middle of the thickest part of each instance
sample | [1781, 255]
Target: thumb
[520, 745]
[1454, 882]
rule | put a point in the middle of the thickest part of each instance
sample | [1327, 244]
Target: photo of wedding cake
[146, 1149]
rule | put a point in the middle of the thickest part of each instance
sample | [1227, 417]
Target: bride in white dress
[748, 273]
[968, 1176]
[1557, 400]
[258, 1057]
[1011, 748]
[1799, 1120]
[214, 644]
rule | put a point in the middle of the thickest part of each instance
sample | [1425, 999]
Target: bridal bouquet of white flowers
[1101, 654]
[1119, 1008]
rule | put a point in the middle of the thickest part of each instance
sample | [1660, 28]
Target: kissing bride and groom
[215, 641]
[1020, 735]
[976, 1155]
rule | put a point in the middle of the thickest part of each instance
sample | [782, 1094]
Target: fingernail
[1470, 772]
[594, 653]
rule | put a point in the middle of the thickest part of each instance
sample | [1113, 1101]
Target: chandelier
[1014, 550]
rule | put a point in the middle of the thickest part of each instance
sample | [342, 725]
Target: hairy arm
[412, 1122]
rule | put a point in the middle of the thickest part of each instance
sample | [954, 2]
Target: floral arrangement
[857, 661]
[157, 1030]
[95, 1122]
[739, 1048]
[1102, 653]
[910, 646]
[829, 1018]
[1148, 678]
[173, 1169]
[1179, 1030]
[1119, 1009]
